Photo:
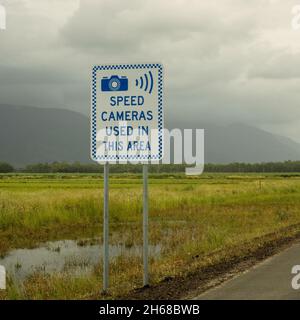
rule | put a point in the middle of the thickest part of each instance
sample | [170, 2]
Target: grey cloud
[109, 26]
[280, 66]
[224, 60]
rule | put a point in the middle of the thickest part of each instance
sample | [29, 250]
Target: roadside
[220, 270]
[204, 229]
[270, 279]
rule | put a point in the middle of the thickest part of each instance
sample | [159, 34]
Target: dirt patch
[220, 269]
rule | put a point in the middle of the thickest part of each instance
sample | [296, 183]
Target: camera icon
[114, 83]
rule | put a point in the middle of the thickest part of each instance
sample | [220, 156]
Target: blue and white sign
[127, 113]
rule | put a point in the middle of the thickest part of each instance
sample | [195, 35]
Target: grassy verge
[196, 221]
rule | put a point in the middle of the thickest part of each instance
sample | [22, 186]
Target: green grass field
[208, 217]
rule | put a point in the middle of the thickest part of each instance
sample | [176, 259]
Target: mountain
[31, 135]
[240, 143]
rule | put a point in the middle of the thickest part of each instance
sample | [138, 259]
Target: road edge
[219, 268]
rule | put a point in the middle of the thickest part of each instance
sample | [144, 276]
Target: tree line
[77, 167]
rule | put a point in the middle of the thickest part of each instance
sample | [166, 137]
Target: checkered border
[94, 113]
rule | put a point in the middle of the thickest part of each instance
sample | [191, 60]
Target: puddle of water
[64, 256]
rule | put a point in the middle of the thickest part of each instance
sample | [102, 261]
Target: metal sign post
[106, 228]
[145, 225]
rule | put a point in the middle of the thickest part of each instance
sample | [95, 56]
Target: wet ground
[69, 256]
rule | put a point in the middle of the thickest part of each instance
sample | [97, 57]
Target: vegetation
[195, 220]
[6, 167]
[286, 166]
[77, 167]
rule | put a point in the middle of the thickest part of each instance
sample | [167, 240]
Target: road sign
[127, 113]
[126, 126]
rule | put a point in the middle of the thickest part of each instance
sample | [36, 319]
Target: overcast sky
[225, 61]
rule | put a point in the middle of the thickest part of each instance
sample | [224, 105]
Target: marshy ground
[195, 224]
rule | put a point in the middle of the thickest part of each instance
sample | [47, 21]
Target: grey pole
[105, 229]
[145, 225]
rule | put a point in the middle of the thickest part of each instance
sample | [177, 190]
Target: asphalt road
[270, 280]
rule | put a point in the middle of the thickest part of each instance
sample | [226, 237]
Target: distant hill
[31, 135]
[241, 143]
